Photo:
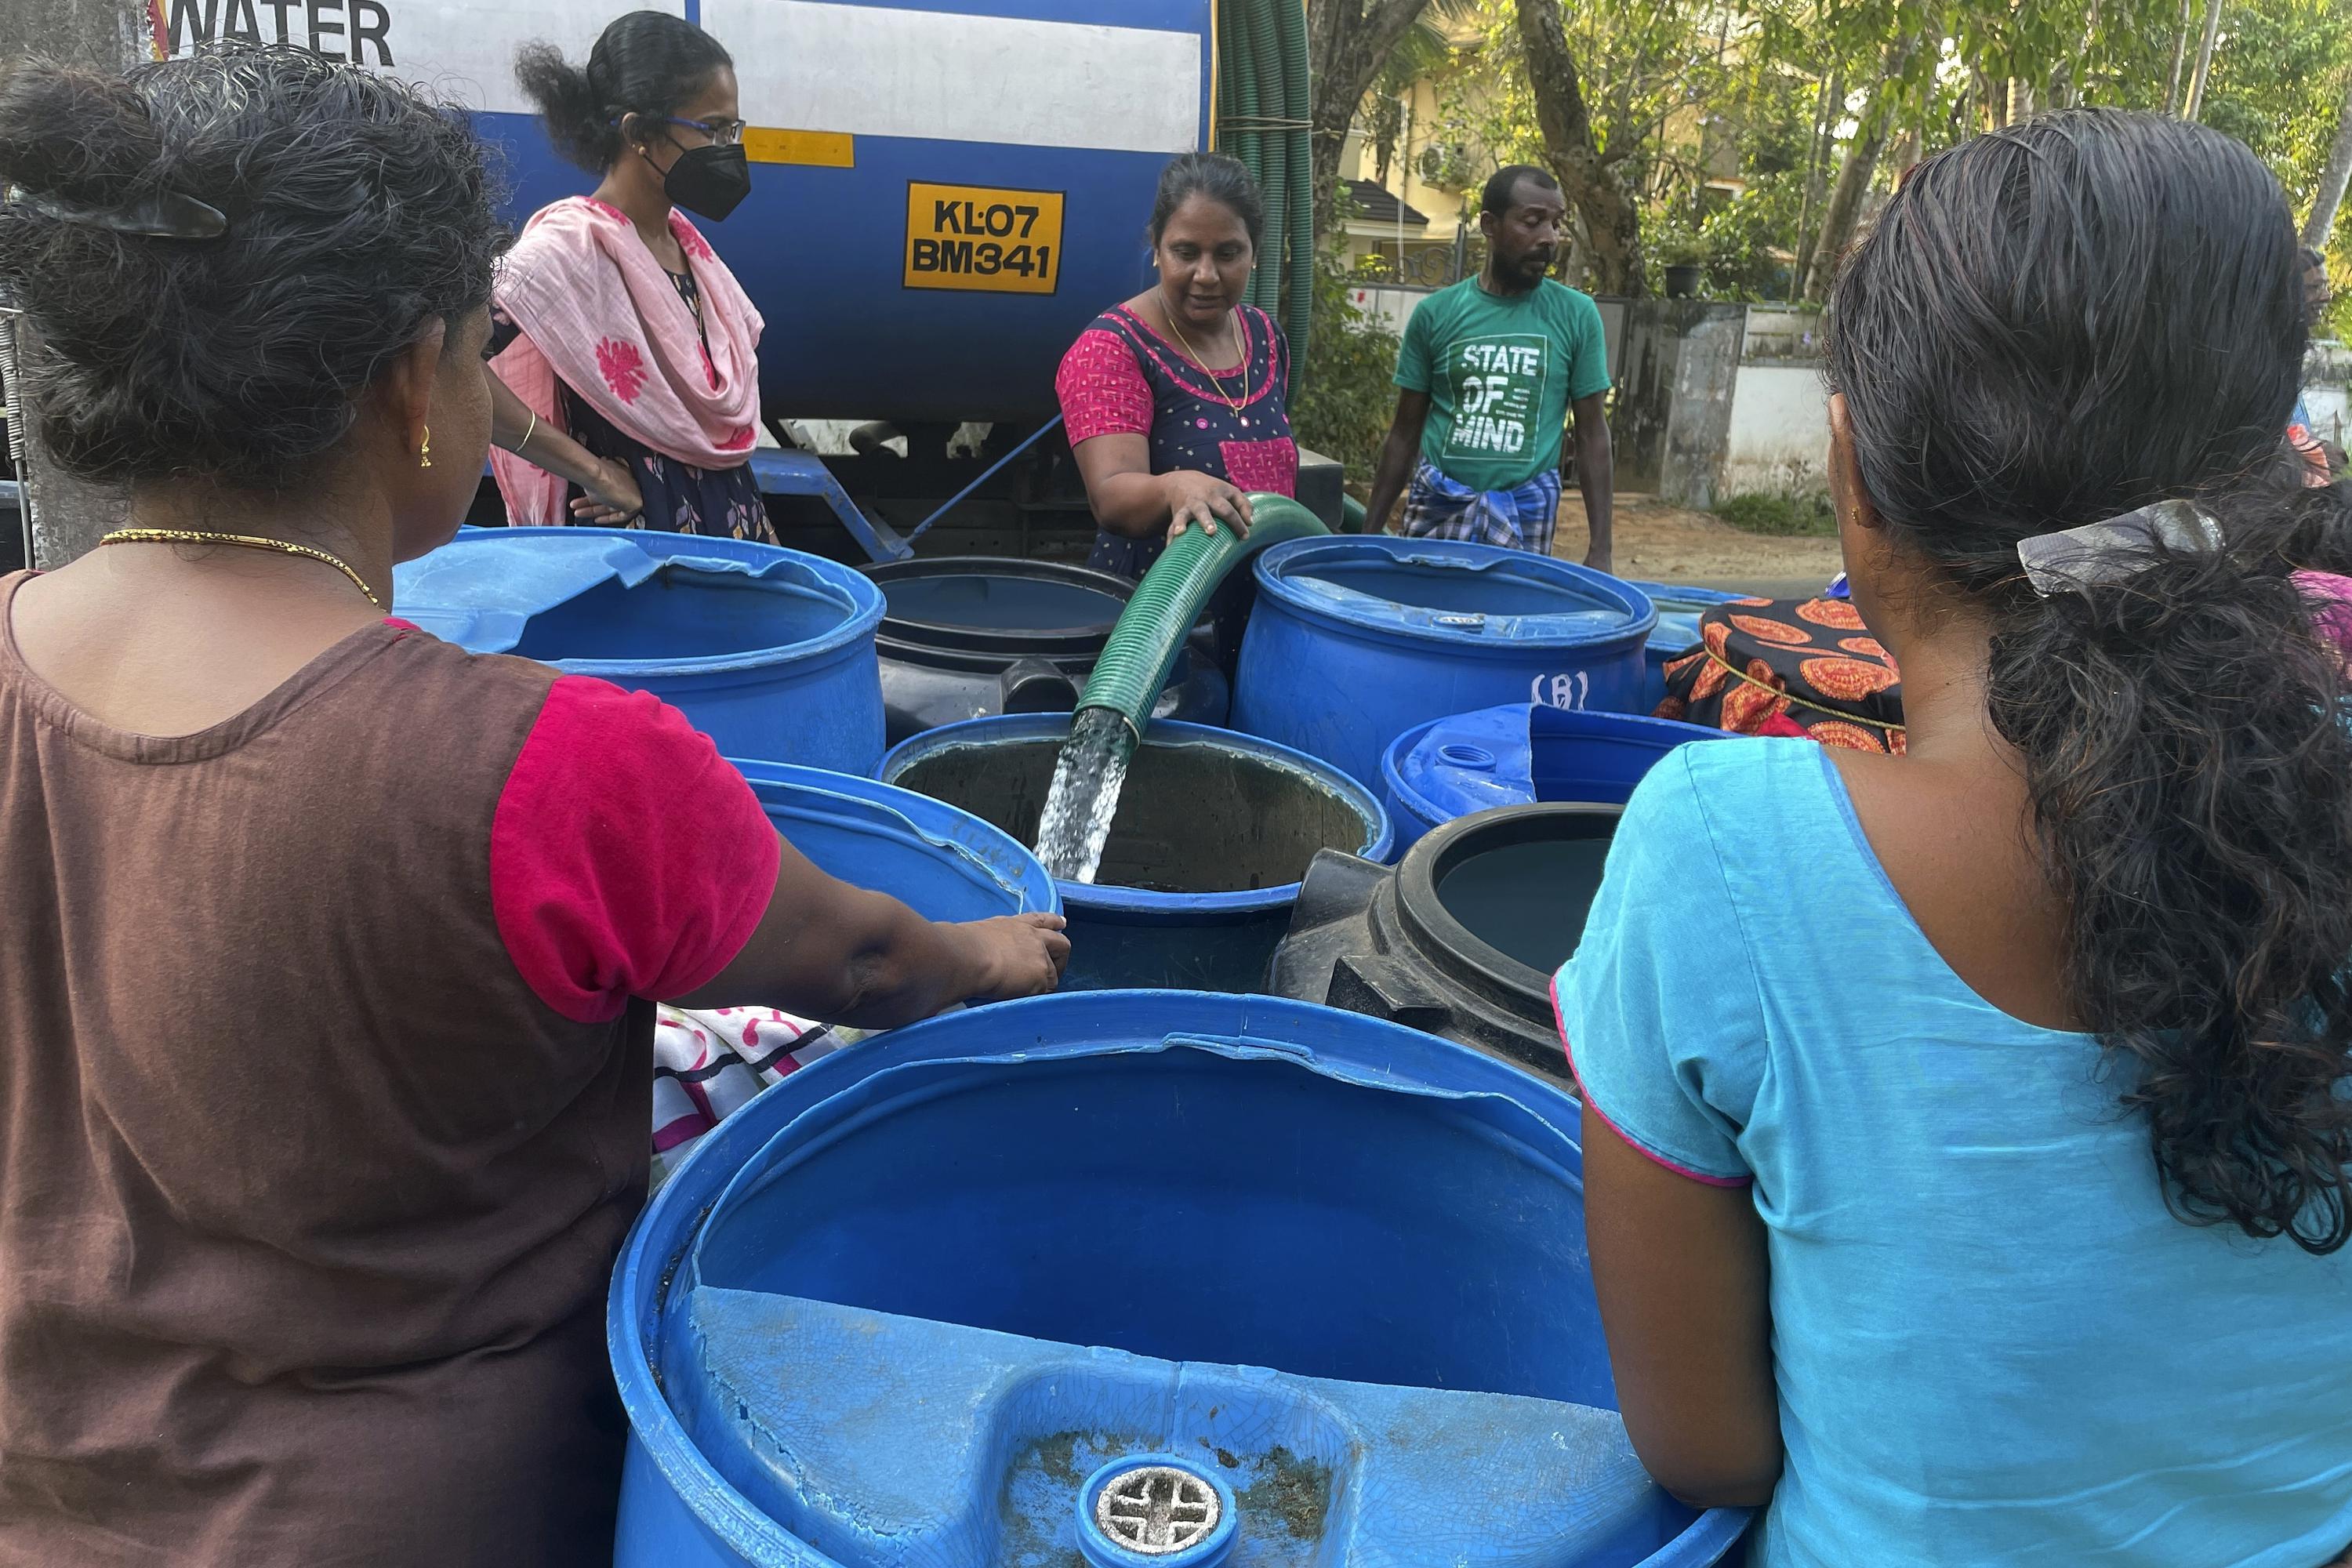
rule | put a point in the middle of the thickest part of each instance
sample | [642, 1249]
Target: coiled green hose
[1299, 309]
[1273, 177]
[1264, 96]
[1134, 664]
[1237, 55]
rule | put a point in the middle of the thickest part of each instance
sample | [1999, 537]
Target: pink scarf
[2330, 598]
[598, 313]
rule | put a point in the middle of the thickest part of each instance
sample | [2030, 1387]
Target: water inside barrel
[1529, 900]
[1191, 818]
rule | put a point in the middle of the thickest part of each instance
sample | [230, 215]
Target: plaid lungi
[1438, 508]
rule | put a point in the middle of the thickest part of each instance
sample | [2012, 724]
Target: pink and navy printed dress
[1121, 378]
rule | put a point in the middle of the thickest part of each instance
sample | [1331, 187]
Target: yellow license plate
[975, 238]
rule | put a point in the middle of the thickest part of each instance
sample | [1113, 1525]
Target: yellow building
[1400, 216]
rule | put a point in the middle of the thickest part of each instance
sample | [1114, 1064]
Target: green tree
[1819, 105]
[1348, 388]
[1622, 85]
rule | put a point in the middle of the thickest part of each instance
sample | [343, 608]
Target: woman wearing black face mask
[621, 334]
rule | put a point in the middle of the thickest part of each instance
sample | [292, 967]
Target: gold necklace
[1241, 332]
[251, 542]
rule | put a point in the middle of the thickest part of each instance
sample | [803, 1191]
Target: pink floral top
[1122, 378]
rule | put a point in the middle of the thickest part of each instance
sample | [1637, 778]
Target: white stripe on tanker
[864, 70]
[949, 77]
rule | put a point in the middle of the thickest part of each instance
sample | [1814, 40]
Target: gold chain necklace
[250, 542]
[1240, 331]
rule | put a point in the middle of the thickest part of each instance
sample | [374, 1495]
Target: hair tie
[166, 214]
[2098, 553]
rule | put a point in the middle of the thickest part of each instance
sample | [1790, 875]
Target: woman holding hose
[326, 1019]
[1176, 401]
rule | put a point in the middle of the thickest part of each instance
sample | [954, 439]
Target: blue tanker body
[943, 195]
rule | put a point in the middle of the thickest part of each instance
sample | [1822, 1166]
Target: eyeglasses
[724, 133]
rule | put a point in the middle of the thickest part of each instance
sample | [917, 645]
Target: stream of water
[1084, 798]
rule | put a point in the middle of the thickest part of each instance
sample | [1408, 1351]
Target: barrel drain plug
[1155, 1509]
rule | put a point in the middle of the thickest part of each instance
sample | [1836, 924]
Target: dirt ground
[1662, 543]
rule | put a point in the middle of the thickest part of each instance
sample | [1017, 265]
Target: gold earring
[425, 453]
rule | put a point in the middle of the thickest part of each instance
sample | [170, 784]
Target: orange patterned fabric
[1854, 737]
[1837, 614]
[1769, 667]
[1772, 631]
[1847, 679]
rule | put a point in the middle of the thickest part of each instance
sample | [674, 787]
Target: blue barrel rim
[1392, 779]
[860, 622]
[1394, 755]
[874, 792]
[1683, 595]
[1109, 898]
[695, 1185]
[1642, 616]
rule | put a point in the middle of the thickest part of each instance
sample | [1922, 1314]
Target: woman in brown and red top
[326, 1017]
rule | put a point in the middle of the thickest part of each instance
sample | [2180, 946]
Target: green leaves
[1709, 112]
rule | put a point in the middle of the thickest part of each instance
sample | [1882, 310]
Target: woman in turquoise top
[1966, 1131]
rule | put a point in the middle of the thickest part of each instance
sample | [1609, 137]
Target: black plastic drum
[969, 636]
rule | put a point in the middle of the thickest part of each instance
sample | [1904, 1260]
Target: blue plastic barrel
[1518, 754]
[1356, 639]
[769, 652]
[920, 1301]
[1215, 832]
[945, 864]
[1679, 607]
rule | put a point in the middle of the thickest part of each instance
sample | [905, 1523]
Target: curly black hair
[645, 63]
[2024, 346]
[358, 213]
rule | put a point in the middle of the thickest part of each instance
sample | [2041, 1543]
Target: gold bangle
[528, 431]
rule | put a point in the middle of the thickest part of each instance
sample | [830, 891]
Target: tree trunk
[2321, 224]
[1348, 41]
[2179, 55]
[1817, 166]
[2204, 61]
[1853, 180]
[1612, 221]
[1845, 206]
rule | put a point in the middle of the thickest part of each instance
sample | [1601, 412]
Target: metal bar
[953, 500]
[15, 414]
[789, 471]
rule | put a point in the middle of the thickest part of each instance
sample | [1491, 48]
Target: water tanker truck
[943, 195]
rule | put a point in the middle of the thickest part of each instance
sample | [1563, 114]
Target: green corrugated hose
[1134, 664]
[1238, 71]
[1274, 178]
[1263, 82]
[1298, 308]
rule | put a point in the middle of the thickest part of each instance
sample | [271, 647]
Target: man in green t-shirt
[1491, 369]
